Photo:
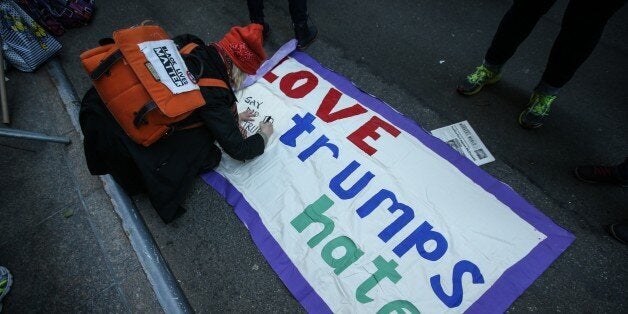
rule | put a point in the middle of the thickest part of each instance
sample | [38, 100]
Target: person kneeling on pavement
[165, 170]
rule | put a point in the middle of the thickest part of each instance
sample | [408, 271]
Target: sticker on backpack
[167, 65]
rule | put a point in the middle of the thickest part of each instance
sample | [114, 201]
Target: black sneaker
[599, 174]
[305, 34]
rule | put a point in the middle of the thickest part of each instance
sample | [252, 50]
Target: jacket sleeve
[217, 116]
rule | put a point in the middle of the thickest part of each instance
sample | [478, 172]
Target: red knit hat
[244, 47]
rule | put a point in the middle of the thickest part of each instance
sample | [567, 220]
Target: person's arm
[217, 116]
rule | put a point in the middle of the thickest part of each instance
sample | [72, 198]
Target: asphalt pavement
[411, 55]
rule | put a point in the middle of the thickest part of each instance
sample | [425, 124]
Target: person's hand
[247, 115]
[266, 128]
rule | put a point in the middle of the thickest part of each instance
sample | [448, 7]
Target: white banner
[361, 211]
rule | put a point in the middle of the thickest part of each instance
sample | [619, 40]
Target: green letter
[398, 306]
[384, 270]
[352, 254]
[314, 213]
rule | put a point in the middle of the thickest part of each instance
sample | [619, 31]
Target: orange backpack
[144, 107]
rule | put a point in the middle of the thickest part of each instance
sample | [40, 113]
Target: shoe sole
[9, 284]
[575, 173]
[471, 93]
[525, 125]
[611, 230]
[301, 48]
[477, 90]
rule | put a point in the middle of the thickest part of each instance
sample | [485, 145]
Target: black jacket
[166, 169]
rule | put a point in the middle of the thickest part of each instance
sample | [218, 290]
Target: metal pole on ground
[3, 91]
[5, 115]
[32, 136]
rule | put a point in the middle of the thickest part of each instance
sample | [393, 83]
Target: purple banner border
[502, 293]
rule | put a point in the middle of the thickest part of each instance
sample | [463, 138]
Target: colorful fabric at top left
[40, 11]
[58, 15]
[25, 44]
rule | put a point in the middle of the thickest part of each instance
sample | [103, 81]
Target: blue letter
[302, 124]
[460, 268]
[334, 184]
[418, 238]
[322, 141]
[406, 216]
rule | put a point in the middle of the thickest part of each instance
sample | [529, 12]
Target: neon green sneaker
[474, 82]
[538, 108]
[6, 280]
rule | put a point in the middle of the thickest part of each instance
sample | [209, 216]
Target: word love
[299, 84]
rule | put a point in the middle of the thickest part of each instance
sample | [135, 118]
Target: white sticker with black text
[168, 65]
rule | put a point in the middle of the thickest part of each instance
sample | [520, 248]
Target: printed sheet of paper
[461, 137]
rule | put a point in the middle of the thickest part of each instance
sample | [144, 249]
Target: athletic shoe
[305, 34]
[6, 280]
[538, 108]
[474, 82]
[599, 174]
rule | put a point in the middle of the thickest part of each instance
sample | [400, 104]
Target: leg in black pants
[582, 27]
[256, 11]
[298, 11]
[514, 28]
[304, 32]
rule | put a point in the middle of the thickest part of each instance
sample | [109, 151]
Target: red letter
[369, 129]
[287, 83]
[330, 101]
[270, 76]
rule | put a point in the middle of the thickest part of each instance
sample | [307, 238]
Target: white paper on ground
[461, 137]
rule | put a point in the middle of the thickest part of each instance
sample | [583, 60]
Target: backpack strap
[187, 49]
[212, 82]
[148, 107]
[139, 118]
[106, 64]
[205, 82]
